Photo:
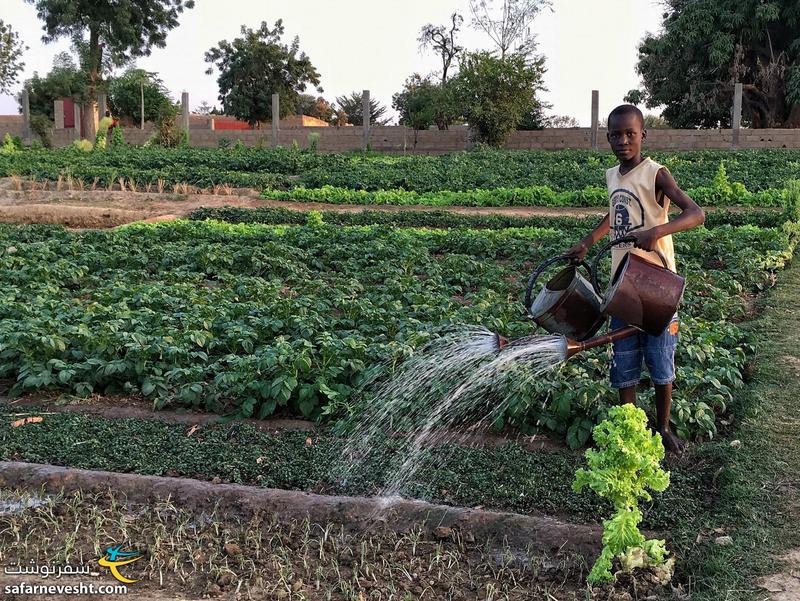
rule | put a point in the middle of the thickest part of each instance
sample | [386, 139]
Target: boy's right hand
[578, 252]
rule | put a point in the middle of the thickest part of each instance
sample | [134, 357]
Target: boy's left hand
[646, 240]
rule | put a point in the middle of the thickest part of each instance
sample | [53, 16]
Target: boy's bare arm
[579, 251]
[691, 214]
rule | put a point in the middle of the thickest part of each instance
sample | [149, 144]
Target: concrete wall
[395, 139]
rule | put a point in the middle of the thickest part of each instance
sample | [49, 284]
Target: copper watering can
[641, 293]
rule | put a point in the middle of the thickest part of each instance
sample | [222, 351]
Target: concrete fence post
[736, 122]
[26, 117]
[595, 117]
[185, 113]
[276, 118]
[58, 114]
[365, 112]
[211, 124]
[76, 111]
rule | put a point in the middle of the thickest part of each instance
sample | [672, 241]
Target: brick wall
[395, 139]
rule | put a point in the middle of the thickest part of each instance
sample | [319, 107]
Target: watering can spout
[574, 347]
[500, 341]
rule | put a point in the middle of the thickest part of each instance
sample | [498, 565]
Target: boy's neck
[626, 166]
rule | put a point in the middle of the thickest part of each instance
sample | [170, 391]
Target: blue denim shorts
[658, 353]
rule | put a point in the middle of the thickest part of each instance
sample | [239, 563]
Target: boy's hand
[578, 252]
[647, 239]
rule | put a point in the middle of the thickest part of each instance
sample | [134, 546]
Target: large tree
[423, 102]
[314, 106]
[124, 28]
[257, 65]
[126, 91]
[11, 49]
[706, 47]
[442, 39]
[497, 94]
[65, 79]
[352, 105]
[507, 22]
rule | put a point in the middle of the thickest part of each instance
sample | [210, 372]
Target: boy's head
[626, 131]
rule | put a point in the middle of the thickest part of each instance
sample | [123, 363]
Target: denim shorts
[658, 353]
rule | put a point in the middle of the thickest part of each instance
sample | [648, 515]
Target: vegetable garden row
[263, 319]
[478, 178]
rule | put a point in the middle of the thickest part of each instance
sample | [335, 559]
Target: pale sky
[371, 44]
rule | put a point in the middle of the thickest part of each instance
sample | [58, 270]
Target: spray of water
[453, 387]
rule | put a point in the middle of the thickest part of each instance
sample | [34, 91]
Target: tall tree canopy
[10, 54]
[498, 94]
[125, 95]
[65, 79]
[257, 65]
[706, 47]
[442, 39]
[352, 106]
[507, 22]
[125, 28]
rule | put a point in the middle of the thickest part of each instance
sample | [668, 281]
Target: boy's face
[625, 135]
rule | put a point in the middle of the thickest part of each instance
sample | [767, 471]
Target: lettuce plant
[625, 465]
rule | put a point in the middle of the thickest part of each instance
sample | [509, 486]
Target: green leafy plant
[117, 139]
[626, 464]
[10, 145]
[83, 145]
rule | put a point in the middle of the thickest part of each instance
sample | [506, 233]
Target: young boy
[640, 191]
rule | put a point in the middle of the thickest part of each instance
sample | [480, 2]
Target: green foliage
[496, 94]
[123, 27]
[102, 133]
[422, 103]
[353, 107]
[313, 141]
[125, 95]
[448, 219]
[11, 49]
[622, 469]
[10, 145]
[317, 107]
[65, 80]
[117, 139]
[83, 145]
[314, 219]
[167, 133]
[257, 65]
[234, 317]
[720, 43]
[40, 126]
[792, 201]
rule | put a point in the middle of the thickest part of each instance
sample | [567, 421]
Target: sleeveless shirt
[634, 206]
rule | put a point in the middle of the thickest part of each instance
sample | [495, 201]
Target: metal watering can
[641, 293]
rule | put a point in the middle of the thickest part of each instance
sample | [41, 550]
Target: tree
[257, 65]
[317, 107]
[65, 79]
[124, 28]
[204, 108]
[507, 22]
[11, 49]
[706, 47]
[443, 41]
[422, 102]
[353, 107]
[125, 95]
[559, 121]
[496, 94]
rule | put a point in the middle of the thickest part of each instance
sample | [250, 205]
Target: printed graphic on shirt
[627, 215]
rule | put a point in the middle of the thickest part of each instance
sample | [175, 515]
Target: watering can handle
[540, 269]
[607, 247]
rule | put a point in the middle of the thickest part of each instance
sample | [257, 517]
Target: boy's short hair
[626, 109]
